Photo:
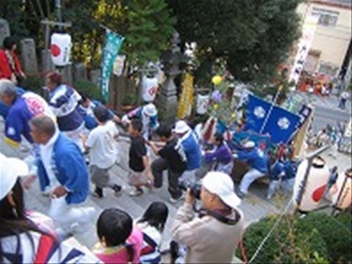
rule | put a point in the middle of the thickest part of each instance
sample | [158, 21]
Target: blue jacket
[4, 109]
[70, 170]
[191, 148]
[276, 170]
[290, 170]
[255, 159]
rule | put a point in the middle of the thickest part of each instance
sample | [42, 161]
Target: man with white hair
[258, 162]
[214, 235]
[148, 114]
[22, 108]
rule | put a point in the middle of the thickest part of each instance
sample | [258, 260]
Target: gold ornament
[216, 80]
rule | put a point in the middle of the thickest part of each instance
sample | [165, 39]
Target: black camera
[195, 188]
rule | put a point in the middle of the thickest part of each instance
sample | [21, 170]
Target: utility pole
[58, 12]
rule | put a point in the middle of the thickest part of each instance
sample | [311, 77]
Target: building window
[326, 17]
[327, 20]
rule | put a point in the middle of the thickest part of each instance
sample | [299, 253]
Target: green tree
[146, 25]
[252, 36]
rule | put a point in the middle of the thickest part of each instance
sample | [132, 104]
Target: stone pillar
[29, 56]
[167, 99]
[94, 76]
[67, 74]
[79, 72]
[4, 30]
[47, 63]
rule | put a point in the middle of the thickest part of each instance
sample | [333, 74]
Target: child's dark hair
[164, 130]
[219, 137]
[84, 96]
[156, 215]
[137, 124]
[115, 226]
[101, 113]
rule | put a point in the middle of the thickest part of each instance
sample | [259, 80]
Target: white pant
[188, 176]
[225, 168]
[285, 185]
[249, 178]
[66, 214]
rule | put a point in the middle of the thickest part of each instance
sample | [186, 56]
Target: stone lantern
[167, 100]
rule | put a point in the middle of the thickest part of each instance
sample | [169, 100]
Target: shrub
[34, 84]
[88, 87]
[290, 242]
[336, 235]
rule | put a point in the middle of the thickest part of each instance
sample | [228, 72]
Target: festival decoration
[216, 96]
[309, 188]
[216, 80]
[60, 49]
[202, 103]
[186, 99]
[343, 197]
[149, 88]
[111, 48]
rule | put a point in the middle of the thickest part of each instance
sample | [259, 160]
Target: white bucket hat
[181, 127]
[10, 170]
[150, 110]
[221, 184]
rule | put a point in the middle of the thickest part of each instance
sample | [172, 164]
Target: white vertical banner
[304, 44]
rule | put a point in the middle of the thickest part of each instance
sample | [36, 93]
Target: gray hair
[7, 88]
[43, 124]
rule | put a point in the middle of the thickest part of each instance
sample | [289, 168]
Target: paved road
[326, 112]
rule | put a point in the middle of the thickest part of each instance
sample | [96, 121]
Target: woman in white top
[152, 224]
[28, 237]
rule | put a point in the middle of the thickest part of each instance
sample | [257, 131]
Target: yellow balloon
[215, 106]
[216, 80]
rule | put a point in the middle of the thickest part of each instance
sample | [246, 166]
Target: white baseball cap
[10, 170]
[181, 127]
[150, 110]
[221, 184]
[249, 144]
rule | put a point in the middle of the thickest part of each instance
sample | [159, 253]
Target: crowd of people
[68, 126]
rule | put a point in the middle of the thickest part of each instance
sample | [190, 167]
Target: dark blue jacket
[256, 159]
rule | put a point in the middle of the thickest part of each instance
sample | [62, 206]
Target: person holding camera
[211, 237]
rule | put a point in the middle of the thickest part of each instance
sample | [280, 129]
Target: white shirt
[46, 152]
[103, 150]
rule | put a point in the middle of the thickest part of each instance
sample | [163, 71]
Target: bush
[34, 84]
[289, 243]
[335, 233]
[88, 87]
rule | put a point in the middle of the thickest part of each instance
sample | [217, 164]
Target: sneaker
[117, 189]
[149, 185]
[98, 192]
[136, 192]
[173, 200]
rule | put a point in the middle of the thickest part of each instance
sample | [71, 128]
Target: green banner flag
[111, 48]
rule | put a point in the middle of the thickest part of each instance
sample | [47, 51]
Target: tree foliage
[146, 25]
[253, 36]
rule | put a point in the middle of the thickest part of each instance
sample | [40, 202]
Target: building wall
[332, 35]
